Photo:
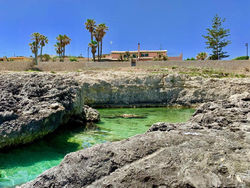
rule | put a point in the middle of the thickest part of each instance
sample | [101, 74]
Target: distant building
[142, 55]
[15, 59]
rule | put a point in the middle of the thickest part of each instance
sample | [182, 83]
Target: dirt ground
[195, 68]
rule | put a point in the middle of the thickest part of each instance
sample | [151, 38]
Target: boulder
[90, 115]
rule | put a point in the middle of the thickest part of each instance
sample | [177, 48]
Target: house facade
[142, 55]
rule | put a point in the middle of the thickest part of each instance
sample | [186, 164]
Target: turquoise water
[25, 163]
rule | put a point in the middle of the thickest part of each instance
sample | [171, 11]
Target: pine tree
[216, 39]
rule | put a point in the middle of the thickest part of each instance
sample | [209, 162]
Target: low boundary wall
[227, 66]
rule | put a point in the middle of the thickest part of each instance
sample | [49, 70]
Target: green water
[25, 163]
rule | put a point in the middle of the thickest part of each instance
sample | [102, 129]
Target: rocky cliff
[144, 89]
[35, 104]
[211, 150]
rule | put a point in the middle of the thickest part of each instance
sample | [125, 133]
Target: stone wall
[227, 66]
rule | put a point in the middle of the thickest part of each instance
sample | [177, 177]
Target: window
[144, 55]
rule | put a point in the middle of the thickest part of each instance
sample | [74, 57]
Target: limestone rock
[90, 114]
[193, 154]
[211, 150]
[35, 104]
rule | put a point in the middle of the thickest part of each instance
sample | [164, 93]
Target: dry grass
[15, 66]
[236, 67]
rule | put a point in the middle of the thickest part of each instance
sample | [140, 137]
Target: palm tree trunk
[93, 56]
[93, 52]
[98, 51]
[36, 55]
[101, 49]
[41, 53]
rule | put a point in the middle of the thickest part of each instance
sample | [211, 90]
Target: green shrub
[242, 58]
[73, 59]
[46, 57]
[165, 58]
[174, 67]
[201, 56]
[54, 59]
[190, 59]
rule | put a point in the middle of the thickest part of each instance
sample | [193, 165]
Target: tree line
[216, 40]
[39, 41]
[97, 33]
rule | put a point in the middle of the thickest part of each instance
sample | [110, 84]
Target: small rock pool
[25, 163]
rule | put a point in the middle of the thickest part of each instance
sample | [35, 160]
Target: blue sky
[174, 25]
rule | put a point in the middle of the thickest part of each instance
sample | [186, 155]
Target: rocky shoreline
[35, 104]
[119, 89]
[211, 150]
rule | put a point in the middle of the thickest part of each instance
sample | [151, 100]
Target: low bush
[73, 59]
[201, 56]
[54, 59]
[190, 59]
[242, 58]
[162, 58]
[45, 57]
[165, 58]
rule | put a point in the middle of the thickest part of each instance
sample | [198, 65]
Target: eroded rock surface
[33, 105]
[111, 89]
[90, 114]
[211, 150]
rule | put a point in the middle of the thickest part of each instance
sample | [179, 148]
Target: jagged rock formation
[211, 150]
[144, 89]
[35, 104]
[90, 114]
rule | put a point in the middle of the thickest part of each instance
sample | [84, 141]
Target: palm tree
[62, 42]
[43, 41]
[93, 46]
[90, 26]
[103, 28]
[201, 56]
[35, 45]
[97, 35]
[59, 49]
[59, 46]
[66, 41]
